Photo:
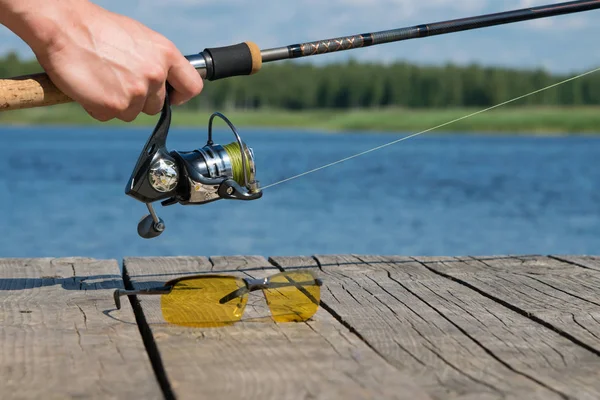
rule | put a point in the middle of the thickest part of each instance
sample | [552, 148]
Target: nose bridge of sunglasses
[279, 281]
[290, 279]
[257, 284]
[251, 285]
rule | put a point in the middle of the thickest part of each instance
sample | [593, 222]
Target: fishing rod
[216, 171]
[211, 69]
[247, 58]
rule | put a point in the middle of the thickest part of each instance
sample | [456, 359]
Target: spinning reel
[200, 176]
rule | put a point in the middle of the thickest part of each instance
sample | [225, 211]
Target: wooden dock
[498, 327]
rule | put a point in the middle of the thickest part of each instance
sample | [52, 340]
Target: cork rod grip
[37, 90]
[256, 57]
[30, 91]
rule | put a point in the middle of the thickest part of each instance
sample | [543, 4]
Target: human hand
[112, 65]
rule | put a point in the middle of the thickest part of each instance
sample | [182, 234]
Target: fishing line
[235, 156]
[429, 130]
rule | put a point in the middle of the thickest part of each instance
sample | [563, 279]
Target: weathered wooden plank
[558, 294]
[591, 262]
[61, 337]
[257, 358]
[458, 343]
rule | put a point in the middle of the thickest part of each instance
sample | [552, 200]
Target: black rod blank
[424, 30]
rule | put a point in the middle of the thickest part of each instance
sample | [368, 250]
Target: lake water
[62, 194]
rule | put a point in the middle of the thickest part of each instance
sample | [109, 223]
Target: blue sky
[562, 44]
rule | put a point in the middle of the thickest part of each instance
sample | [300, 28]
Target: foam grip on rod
[239, 59]
[30, 91]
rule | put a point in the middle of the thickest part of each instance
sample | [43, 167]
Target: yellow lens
[293, 296]
[195, 302]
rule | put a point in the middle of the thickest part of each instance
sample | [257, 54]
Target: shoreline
[527, 120]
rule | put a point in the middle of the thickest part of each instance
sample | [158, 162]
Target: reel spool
[199, 176]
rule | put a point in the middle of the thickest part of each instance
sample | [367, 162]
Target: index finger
[185, 81]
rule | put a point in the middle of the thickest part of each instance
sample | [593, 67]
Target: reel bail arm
[199, 176]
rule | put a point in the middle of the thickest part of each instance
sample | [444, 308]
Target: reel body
[199, 176]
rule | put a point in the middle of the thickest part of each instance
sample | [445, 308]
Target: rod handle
[37, 90]
[29, 91]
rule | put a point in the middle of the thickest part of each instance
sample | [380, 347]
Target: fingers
[185, 80]
[155, 100]
[146, 92]
[147, 98]
[136, 105]
[97, 115]
[124, 108]
[148, 95]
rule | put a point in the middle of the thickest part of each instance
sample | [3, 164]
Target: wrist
[39, 23]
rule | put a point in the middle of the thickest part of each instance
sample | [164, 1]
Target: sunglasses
[219, 300]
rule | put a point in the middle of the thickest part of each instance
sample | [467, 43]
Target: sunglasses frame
[251, 285]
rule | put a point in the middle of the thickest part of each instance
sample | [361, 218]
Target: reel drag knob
[150, 226]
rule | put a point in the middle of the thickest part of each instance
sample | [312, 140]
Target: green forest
[351, 85]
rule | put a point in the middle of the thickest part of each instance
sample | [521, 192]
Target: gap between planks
[438, 302]
[552, 294]
[61, 336]
[316, 359]
[547, 385]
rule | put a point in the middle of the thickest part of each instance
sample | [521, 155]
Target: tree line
[303, 86]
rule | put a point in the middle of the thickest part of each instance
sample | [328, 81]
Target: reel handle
[151, 225]
[149, 229]
[28, 91]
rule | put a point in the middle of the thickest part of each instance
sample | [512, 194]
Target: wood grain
[455, 341]
[257, 358]
[560, 295]
[591, 262]
[61, 337]
[36, 90]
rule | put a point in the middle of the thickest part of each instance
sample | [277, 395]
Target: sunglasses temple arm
[122, 292]
[233, 295]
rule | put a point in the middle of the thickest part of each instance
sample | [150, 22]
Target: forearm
[38, 22]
